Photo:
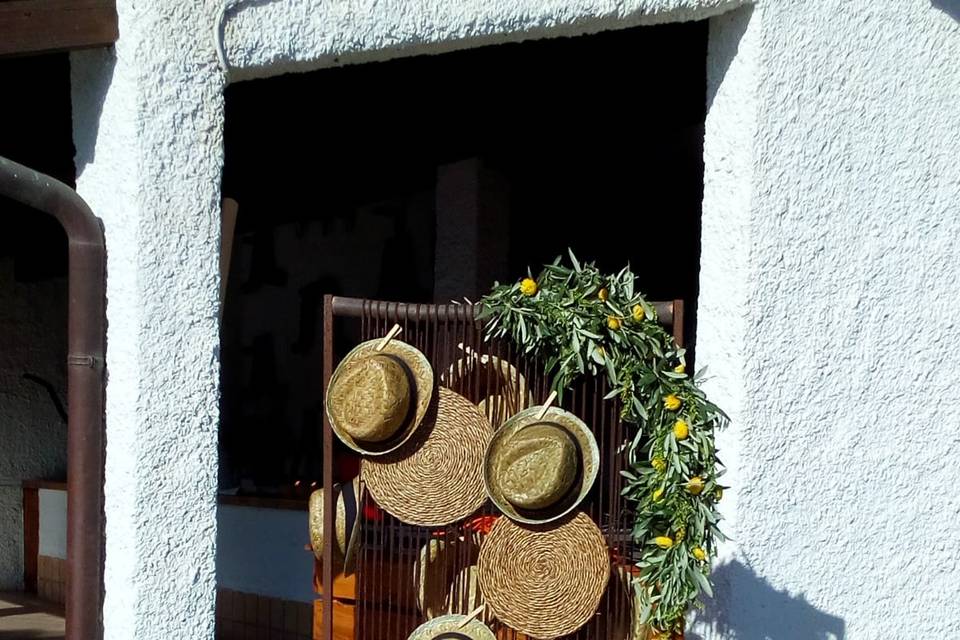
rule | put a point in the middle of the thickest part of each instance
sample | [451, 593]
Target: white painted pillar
[148, 118]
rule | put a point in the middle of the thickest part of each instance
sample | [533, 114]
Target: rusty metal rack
[386, 582]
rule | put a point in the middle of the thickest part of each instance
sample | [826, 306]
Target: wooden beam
[42, 26]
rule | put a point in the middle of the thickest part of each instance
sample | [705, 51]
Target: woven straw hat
[377, 399]
[436, 478]
[501, 388]
[448, 628]
[537, 470]
[349, 499]
[544, 581]
[443, 588]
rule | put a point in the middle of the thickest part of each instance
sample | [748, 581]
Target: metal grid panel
[387, 574]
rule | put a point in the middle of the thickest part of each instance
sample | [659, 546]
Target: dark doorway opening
[36, 131]
[426, 178]
[594, 143]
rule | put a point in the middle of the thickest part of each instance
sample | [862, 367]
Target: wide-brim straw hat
[436, 478]
[587, 458]
[446, 575]
[544, 581]
[449, 628]
[420, 379]
[348, 498]
[499, 387]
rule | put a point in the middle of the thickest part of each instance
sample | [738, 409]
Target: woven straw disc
[544, 581]
[437, 477]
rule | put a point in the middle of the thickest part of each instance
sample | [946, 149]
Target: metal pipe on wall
[86, 343]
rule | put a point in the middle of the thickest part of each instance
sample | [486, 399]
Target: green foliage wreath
[581, 321]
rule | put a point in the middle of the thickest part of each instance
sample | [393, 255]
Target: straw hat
[537, 470]
[447, 575]
[500, 387]
[448, 628]
[349, 500]
[436, 479]
[377, 399]
[544, 581]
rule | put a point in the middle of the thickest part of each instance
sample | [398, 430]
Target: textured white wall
[148, 122]
[829, 316]
[33, 438]
[828, 308]
[309, 34]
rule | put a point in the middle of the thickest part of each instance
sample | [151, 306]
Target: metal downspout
[86, 340]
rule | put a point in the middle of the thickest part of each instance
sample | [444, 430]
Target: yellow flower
[680, 430]
[658, 495]
[603, 294]
[672, 402]
[718, 494]
[637, 313]
[663, 542]
[680, 368]
[613, 323]
[699, 554]
[659, 464]
[681, 534]
[528, 287]
[695, 485]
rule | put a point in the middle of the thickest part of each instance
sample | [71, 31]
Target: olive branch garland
[581, 321]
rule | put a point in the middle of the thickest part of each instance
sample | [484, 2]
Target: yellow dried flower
[637, 313]
[659, 464]
[613, 323]
[664, 542]
[658, 494]
[603, 294]
[699, 554]
[680, 430]
[672, 402]
[528, 287]
[680, 368]
[695, 485]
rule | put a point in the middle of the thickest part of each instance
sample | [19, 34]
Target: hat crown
[373, 399]
[538, 466]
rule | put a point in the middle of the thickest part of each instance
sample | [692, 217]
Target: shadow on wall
[93, 77]
[949, 7]
[761, 612]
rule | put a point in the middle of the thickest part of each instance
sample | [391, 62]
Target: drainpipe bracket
[78, 360]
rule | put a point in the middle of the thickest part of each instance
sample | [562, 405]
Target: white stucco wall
[33, 438]
[148, 131]
[827, 316]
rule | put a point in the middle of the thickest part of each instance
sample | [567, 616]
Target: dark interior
[36, 131]
[598, 140]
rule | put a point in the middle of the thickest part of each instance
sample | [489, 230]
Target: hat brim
[450, 624]
[589, 465]
[421, 374]
[348, 500]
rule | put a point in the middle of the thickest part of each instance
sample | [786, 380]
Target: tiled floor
[24, 617]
